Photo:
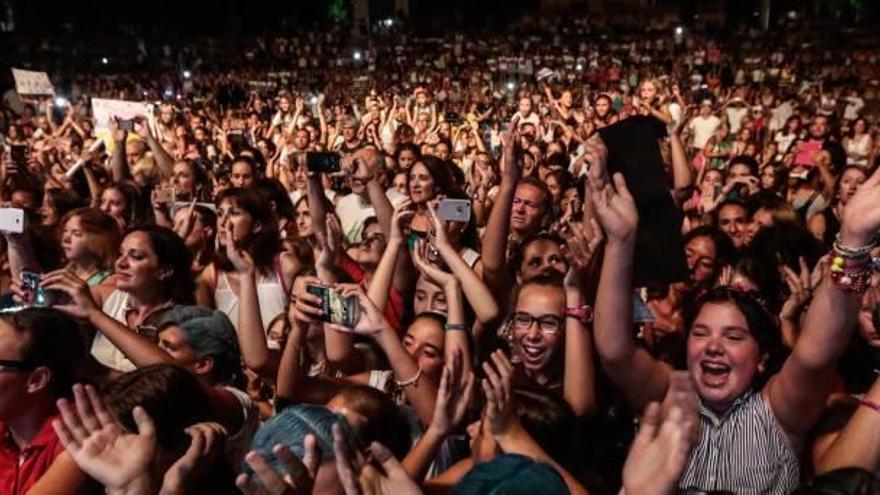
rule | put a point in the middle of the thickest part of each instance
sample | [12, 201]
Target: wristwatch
[583, 314]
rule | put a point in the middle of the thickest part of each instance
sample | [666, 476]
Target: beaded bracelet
[851, 252]
[414, 381]
[854, 276]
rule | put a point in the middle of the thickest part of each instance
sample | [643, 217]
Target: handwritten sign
[105, 110]
[29, 82]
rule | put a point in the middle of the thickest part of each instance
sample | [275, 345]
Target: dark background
[101, 18]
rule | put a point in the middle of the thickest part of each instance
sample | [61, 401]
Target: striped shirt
[744, 451]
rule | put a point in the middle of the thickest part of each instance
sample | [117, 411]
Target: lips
[714, 374]
[532, 355]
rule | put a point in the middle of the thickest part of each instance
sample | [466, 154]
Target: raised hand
[399, 219]
[800, 290]
[660, 451]
[615, 208]
[371, 320]
[441, 238]
[99, 445]
[305, 308]
[359, 477]
[80, 302]
[861, 217]
[580, 249]
[435, 275]
[512, 155]
[300, 476]
[453, 395]
[206, 446]
[330, 243]
[499, 401]
[241, 260]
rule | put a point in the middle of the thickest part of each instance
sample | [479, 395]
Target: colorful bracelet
[852, 275]
[867, 403]
[455, 326]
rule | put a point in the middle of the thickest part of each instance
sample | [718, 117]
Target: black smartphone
[18, 154]
[126, 125]
[323, 162]
[344, 311]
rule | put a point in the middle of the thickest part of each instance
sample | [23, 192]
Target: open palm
[99, 445]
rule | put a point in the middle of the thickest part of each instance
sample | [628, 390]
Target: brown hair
[103, 235]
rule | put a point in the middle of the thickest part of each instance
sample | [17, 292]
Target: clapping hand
[800, 290]
[579, 249]
[453, 395]
[660, 451]
[499, 401]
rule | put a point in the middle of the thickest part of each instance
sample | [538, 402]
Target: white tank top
[270, 294]
[102, 349]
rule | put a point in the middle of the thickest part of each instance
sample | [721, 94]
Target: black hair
[518, 256]
[53, 340]
[385, 422]
[171, 252]
[264, 245]
[762, 325]
[277, 195]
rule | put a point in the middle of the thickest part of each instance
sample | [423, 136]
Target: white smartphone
[12, 220]
[454, 210]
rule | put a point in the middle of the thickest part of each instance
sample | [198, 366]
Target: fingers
[620, 185]
[649, 425]
[297, 472]
[143, 421]
[102, 414]
[346, 466]
[267, 476]
[389, 463]
[84, 409]
[73, 424]
[312, 457]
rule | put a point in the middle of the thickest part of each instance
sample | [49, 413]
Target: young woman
[152, 275]
[90, 240]
[245, 221]
[653, 100]
[122, 201]
[825, 225]
[754, 422]
[859, 144]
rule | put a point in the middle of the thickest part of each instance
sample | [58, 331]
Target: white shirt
[703, 128]
[353, 210]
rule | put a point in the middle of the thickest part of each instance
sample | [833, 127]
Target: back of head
[172, 396]
[53, 340]
[511, 474]
[290, 427]
[385, 422]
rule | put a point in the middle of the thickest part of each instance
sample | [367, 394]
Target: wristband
[414, 381]
[455, 326]
[867, 403]
[583, 314]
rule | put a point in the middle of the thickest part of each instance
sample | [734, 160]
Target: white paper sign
[105, 110]
[28, 82]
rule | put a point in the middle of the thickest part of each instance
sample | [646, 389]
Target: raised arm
[251, 332]
[418, 389]
[579, 378]
[494, 252]
[394, 269]
[163, 160]
[475, 290]
[640, 377]
[858, 444]
[798, 393]
[118, 165]
[682, 173]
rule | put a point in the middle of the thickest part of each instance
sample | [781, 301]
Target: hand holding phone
[323, 162]
[336, 309]
[454, 210]
[12, 220]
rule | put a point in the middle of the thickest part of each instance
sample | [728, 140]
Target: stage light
[187, 74]
[105, 60]
[511, 85]
[357, 55]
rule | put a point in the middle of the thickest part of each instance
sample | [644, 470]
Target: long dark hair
[172, 253]
[264, 245]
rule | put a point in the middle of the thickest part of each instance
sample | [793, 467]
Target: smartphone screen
[339, 310]
[454, 210]
[323, 162]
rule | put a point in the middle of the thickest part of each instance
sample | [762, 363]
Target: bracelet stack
[851, 267]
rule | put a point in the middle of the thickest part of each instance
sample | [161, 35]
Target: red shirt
[21, 469]
[395, 306]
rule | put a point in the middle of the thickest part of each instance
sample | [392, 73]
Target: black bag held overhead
[633, 150]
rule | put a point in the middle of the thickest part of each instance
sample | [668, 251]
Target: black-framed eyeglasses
[546, 323]
[17, 366]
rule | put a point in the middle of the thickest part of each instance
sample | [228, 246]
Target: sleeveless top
[115, 306]
[98, 277]
[744, 451]
[270, 293]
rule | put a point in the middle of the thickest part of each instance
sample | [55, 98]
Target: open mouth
[715, 373]
[532, 354]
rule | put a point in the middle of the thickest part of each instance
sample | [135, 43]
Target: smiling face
[538, 343]
[138, 268]
[733, 220]
[700, 254]
[723, 356]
